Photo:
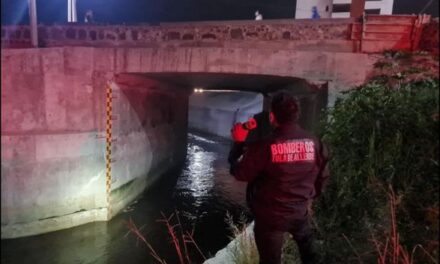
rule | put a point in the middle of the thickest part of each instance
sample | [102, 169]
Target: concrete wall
[325, 34]
[215, 113]
[331, 35]
[52, 162]
[341, 70]
[149, 133]
[344, 69]
[54, 113]
[53, 169]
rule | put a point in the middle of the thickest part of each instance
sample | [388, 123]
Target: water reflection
[199, 172]
[202, 191]
[200, 139]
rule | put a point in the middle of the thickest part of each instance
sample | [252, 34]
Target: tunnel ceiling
[226, 81]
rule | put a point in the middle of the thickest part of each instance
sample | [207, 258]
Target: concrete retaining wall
[327, 34]
[150, 133]
[54, 120]
[53, 168]
[374, 34]
[53, 139]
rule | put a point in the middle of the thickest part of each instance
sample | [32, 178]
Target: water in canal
[202, 192]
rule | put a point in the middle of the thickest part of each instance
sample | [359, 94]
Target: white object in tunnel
[214, 113]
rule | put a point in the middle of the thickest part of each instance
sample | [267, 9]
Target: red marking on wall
[108, 154]
[293, 151]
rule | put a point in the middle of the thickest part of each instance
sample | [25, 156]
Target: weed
[245, 250]
[180, 239]
[382, 64]
[392, 251]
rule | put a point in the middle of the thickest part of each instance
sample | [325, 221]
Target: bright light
[201, 90]
[198, 90]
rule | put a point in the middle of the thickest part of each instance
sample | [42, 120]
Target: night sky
[153, 11]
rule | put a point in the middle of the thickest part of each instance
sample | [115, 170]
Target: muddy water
[202, 191]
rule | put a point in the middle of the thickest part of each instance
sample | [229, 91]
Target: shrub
[381, 136]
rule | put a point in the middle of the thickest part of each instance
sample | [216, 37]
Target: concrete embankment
[55, 139]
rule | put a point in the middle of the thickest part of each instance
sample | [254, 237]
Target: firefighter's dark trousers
[269, 233]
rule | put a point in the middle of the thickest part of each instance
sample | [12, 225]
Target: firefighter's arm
[251, 163]
[239, 135]
[324, 172]
[236, 152]
[247, 166]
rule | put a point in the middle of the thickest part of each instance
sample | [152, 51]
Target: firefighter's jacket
[287, 168]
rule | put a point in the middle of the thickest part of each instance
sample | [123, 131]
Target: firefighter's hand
[238, 133]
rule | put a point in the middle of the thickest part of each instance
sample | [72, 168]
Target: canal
[202, 192]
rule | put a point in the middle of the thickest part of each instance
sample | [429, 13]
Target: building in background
[340, 8]
[304, 8]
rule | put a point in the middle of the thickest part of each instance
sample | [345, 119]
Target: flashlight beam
[215, 91]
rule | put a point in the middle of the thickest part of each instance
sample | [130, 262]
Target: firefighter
[287, 171]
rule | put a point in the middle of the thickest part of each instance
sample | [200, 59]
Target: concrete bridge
[98, 113]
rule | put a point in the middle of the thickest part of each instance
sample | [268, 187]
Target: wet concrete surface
[201, 192]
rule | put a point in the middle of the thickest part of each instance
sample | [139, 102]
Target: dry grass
[180, 238]
[391, 251]
[245, 250]
[388, 249]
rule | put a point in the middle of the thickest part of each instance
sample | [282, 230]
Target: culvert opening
[185, 119]
[204, 191]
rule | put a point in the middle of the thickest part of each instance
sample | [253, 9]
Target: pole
[71, 11]
[33, 22]
[74, 15]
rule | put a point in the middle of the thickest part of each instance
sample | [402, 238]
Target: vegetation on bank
[384, 163]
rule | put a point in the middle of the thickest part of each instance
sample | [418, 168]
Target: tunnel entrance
[162, 123]
[161, 115]
[225, 92]
[151, 114]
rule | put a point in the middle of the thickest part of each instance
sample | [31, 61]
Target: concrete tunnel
[56, 165]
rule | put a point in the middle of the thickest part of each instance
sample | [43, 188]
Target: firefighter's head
[285, 108]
